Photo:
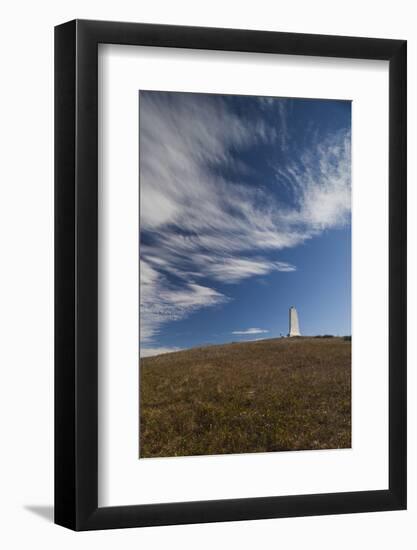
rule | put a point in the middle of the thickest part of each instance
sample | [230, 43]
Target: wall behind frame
[26, 289]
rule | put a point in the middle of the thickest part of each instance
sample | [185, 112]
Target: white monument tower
[294, 326]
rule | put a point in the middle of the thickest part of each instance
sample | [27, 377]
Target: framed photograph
[230, 254]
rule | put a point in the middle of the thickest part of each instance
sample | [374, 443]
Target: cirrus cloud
[250, 331]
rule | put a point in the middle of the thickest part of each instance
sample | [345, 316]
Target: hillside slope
[270, 395]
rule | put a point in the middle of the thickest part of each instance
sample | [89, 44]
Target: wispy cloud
[279, 110]
[250, 331]
[321, 183]
[151, 352]
[199, 228]
[162, 301]
[232, 270]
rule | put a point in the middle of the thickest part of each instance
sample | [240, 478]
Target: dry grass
[271, 395]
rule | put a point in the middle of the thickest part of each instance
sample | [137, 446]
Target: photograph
[245, 274]
[208, 335]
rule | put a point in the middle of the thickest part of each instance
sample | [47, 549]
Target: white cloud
[203, 229]
[232, 270]
[321, 183]
[250, 331]
[279, 108]
[162, 301]
[151, 352]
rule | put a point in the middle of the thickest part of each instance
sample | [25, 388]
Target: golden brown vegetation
[271, 395]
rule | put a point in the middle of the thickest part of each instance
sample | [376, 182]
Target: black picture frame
[76, 272]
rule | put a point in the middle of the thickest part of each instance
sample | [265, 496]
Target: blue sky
[244, 211]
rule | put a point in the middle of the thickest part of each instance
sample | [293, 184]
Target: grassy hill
[270, 395]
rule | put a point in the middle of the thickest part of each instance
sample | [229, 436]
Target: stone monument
[294, 326]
